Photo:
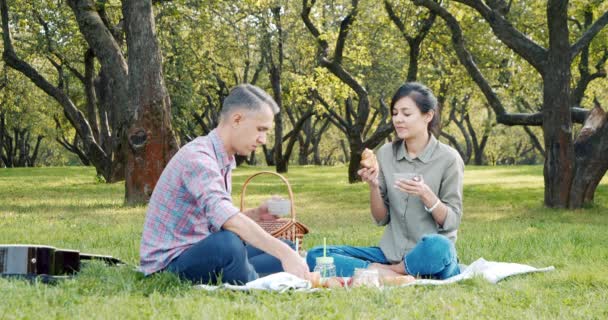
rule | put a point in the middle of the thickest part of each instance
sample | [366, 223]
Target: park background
[521, 85]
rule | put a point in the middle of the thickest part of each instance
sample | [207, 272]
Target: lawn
[504, 220]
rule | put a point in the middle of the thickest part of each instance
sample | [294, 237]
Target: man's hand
[295, 265]
[261, 213]
[253, 234]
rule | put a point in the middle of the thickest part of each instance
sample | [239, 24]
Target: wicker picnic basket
[284, 228]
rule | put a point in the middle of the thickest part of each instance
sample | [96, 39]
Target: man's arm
[253, 234]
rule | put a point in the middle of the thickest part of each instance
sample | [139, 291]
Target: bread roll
[315, 279]
[368, 159]
[397, 280]
[334, 282]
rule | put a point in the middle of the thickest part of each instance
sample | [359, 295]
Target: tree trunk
[454, 143]
[34, 155]
[303, 155]
[478, 152]
[304, 142]
[268, 155]
[591, 152]
[316, 141]
[16, 151]
[562, 176]
[89, 84]
[252, 159]
[478, 147]
[22, 137]
[82, 9]
[275, 70]
[151, 142]
[557, 121]
[240, 159]
[316, 155]
[2, 134]
[114, 94]
[354, 123]
[355, 158]
[279, 161]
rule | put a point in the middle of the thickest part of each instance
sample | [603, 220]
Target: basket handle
[293, 210]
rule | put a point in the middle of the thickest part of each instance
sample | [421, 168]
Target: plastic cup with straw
[297, 245]
[325, 265]
[324, 247]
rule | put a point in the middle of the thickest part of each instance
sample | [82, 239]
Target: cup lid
[325, 260]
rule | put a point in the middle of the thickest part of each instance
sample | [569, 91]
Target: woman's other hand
[415, 186]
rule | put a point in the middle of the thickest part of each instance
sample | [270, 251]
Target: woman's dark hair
[425, 101]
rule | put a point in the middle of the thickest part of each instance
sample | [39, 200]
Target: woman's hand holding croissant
[369, 170]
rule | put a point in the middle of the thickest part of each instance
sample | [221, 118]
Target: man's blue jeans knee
[224, 257]
[435, 256]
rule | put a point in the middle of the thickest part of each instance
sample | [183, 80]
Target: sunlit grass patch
[504, 220]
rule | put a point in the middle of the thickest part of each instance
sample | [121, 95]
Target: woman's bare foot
[399, 268]
[384, 270]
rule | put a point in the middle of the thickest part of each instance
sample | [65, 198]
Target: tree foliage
[333, 66]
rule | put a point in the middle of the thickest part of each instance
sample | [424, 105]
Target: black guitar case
[44, 262]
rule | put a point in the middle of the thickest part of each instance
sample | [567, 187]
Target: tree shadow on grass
[50, 208]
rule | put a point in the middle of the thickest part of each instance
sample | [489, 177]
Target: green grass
[504, 220]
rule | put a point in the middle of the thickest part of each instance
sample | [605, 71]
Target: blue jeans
[224, 257]
[433, 256]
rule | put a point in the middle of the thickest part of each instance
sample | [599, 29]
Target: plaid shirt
[191, 200]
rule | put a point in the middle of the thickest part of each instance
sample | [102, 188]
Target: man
[192, 227]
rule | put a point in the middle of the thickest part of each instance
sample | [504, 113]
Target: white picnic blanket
[492, 271]
[279, 282]
[489, 270]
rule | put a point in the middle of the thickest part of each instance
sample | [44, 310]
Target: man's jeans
[224, 257]
[434, 256]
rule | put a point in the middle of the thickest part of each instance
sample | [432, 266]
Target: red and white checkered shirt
[191, 200]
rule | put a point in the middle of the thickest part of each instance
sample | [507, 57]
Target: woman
[421, 214]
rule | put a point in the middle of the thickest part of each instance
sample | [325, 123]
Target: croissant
[368, 159]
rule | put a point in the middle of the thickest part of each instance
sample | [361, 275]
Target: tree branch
[464, 55]
[344, 29]
[306, 8]
[380, 134]
[535, 142]
[591, 32]
[454, 143]
[536, 119]
[333, 66]
[335, 118]
[413, 42]
[74, 115]
[509, 35]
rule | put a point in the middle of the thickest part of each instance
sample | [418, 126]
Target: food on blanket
[334, 282]
[366, 278]
[368, 159]
[397, 280]
[315, 279]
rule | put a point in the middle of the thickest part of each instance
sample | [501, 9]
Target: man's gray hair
[248, 97]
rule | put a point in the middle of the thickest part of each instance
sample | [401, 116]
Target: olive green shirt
[407, 220]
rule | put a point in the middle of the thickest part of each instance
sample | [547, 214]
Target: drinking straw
[297, 240]
[324, 246]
